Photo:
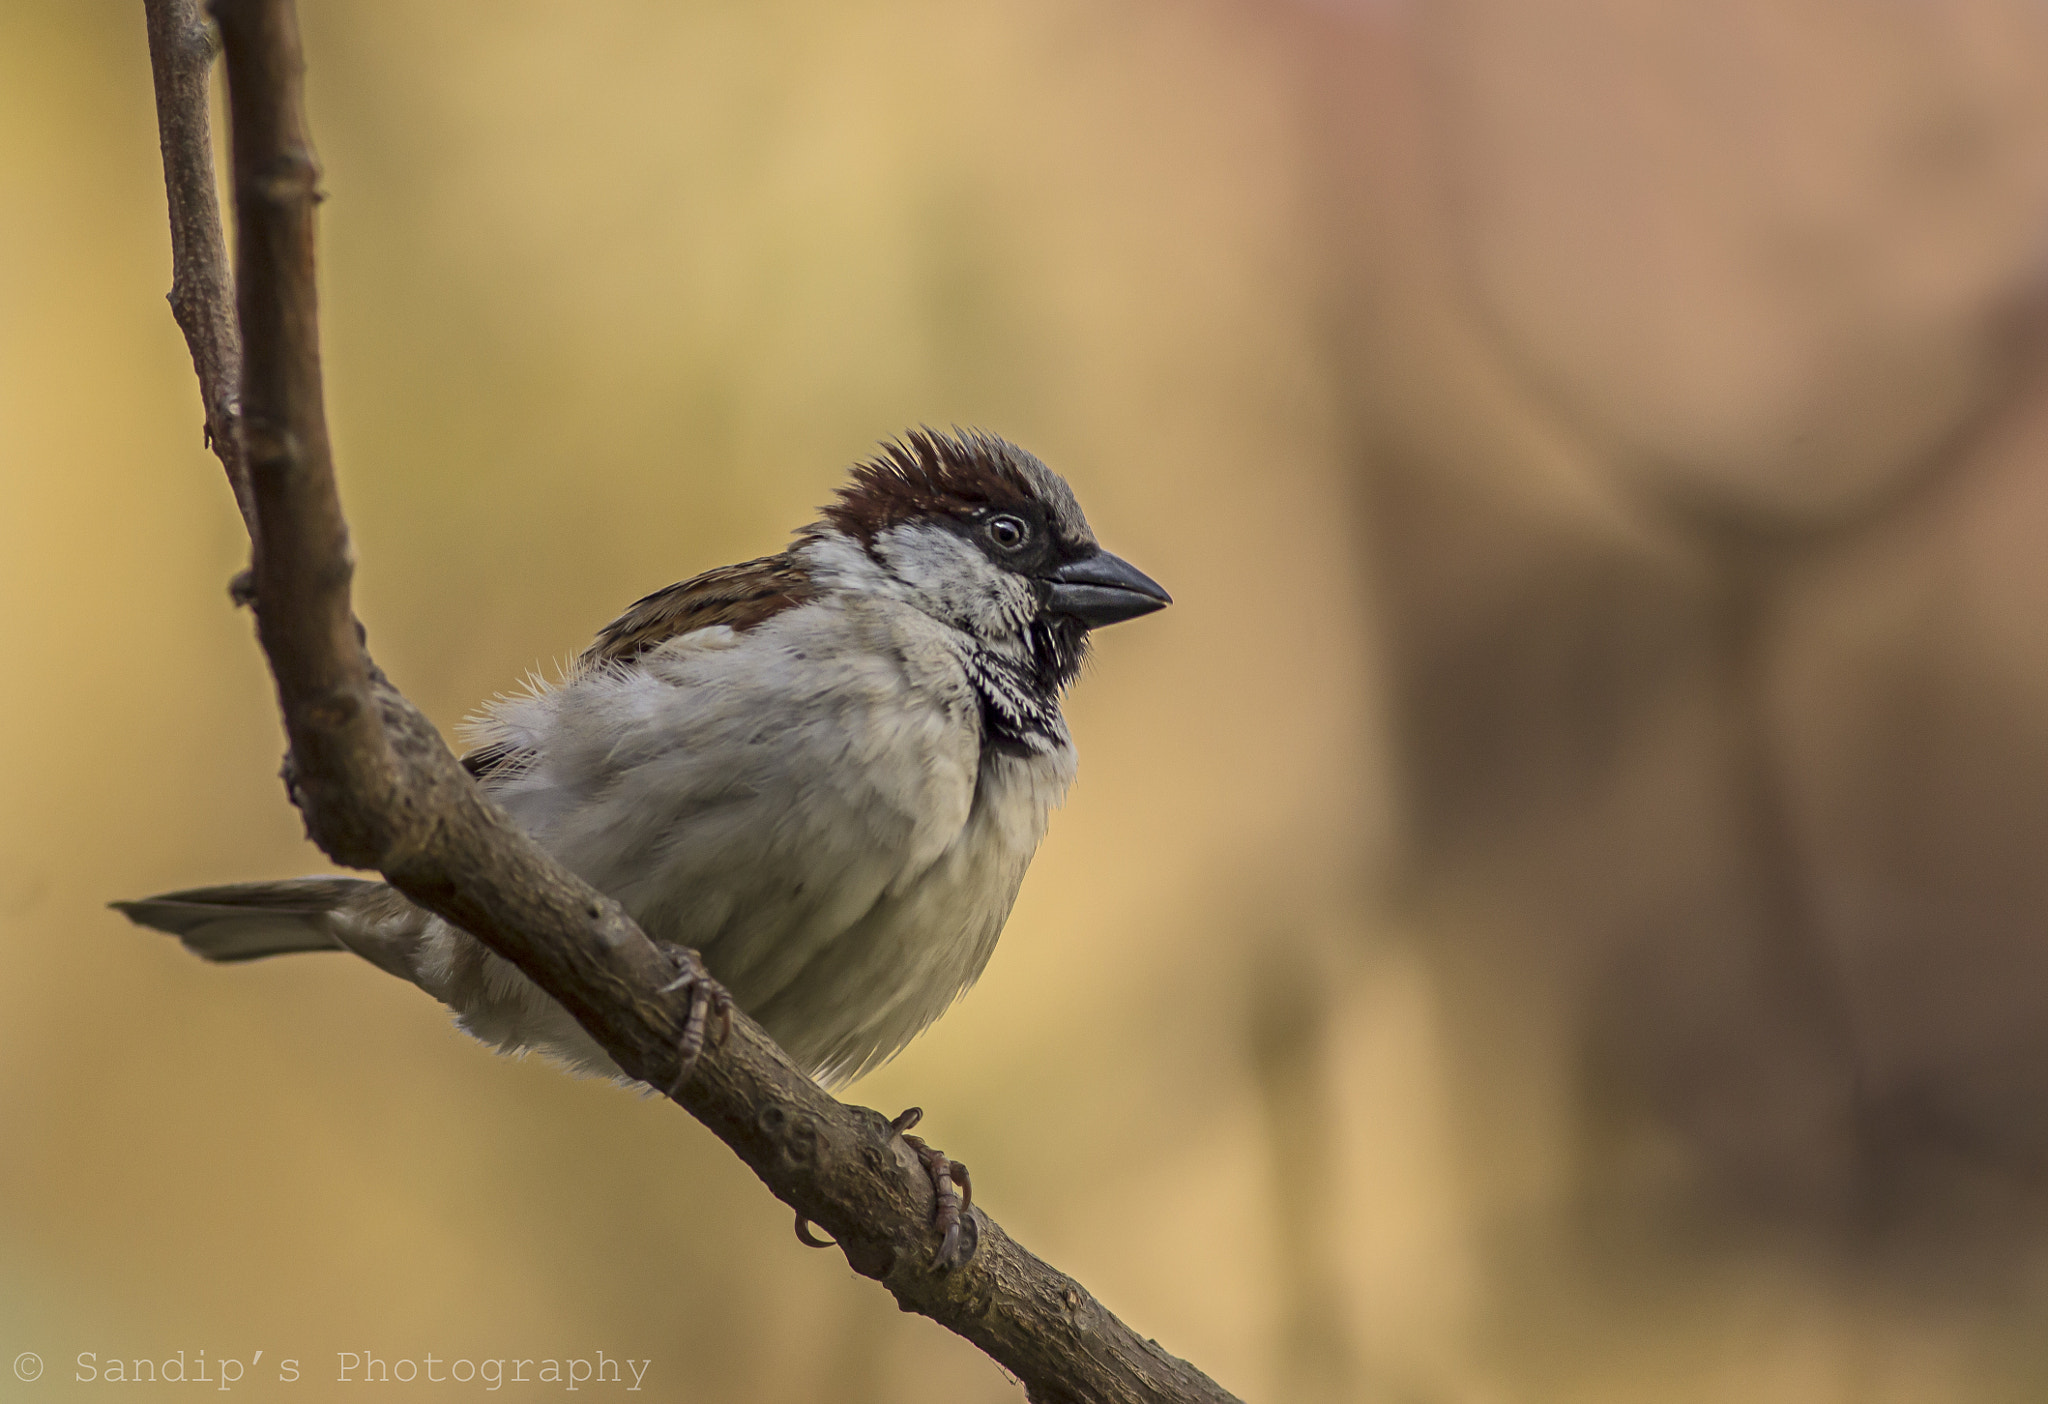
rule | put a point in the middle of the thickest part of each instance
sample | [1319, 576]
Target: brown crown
[928, 473]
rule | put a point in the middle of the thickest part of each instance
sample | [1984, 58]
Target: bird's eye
[1008, 532]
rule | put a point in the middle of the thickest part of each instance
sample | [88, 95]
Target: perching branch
[379, 789]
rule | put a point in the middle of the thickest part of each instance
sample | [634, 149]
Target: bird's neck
[1018, 664]
[1019, 686]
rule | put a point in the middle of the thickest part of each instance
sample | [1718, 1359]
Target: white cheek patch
[838, 562]
[948, 576]
[928, 557]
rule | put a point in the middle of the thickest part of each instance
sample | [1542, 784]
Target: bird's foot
[952, 1193]
[709, 1001]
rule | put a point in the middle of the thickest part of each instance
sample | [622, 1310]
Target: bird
[824, 771]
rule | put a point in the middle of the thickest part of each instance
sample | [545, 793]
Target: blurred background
[1553, 913]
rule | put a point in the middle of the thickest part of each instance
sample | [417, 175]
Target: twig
[180, 53]
[379, 789]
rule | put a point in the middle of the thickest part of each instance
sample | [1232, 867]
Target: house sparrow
[824, 770]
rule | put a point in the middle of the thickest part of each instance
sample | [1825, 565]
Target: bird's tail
[250, 920]
[491, 999]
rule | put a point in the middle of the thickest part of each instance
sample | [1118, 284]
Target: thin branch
[379, 789]
[180, 53]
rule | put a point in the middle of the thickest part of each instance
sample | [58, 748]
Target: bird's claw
[952, 1193]
[806, 1237]
[709, 1000]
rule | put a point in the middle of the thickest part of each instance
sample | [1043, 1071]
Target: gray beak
[1103, 589]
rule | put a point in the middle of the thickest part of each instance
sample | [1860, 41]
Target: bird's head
[981, 535]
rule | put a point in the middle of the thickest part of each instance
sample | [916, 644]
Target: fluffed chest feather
[809, 804]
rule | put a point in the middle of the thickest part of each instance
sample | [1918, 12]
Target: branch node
[268, 449]
[293, 176]
[199, 42]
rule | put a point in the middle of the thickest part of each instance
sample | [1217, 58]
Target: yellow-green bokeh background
[1552, 914]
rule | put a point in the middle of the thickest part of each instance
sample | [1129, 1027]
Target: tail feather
[493, 1001]
[247, 921]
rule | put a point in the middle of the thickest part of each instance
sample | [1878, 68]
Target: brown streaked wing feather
[737, 596]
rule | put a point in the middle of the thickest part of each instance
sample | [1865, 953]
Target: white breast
[879, 983]
[806, 804]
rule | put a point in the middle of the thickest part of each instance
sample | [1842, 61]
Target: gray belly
[867, 991]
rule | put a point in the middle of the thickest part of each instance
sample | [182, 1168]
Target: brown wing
[738, 596]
